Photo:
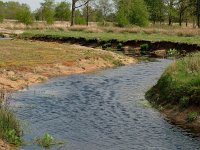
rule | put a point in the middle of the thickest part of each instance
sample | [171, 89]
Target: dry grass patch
[19, 53]
[23, 63]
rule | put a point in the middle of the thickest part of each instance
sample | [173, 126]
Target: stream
[105, 110]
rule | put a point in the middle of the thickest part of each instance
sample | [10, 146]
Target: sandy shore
[12, 80]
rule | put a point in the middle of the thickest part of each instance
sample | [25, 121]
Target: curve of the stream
[105, 110]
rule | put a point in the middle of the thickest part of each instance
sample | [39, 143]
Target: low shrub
[192, 116]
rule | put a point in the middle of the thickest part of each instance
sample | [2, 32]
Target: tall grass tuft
[10, 130]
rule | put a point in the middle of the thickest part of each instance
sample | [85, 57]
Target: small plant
[192, 116]
[144, 49]
[117, 63]
[172, 53]
[184, 102]
[46, 141]
[12, 137]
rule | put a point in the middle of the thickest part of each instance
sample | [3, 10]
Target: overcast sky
[34, 4]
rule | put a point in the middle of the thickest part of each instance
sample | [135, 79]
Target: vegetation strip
[177, 92]
[155, 41]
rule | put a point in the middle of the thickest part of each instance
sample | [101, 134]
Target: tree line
[121, 12]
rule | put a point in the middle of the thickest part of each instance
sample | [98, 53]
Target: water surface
[105, 110]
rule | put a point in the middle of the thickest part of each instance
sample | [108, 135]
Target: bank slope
[177, 92]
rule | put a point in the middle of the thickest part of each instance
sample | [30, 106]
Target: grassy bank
[178, 90]
[108, 36]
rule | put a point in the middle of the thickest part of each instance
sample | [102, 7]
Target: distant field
[106, 36]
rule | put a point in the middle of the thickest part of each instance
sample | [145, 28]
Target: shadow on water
[101, 111]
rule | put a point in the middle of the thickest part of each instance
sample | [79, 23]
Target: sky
[34, 4]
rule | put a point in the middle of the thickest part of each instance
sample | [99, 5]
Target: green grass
[192, 116]
[180, 83]
[10, 129]
[107, 36]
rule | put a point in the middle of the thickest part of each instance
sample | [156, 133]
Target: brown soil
[5, 146]
[178, 116]
[22, 77]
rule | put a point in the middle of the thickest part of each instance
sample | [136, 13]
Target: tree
[62, 11]
[25, 15]
[74, 7]
[11, 9]
[79, 18]
[48, 11]
[89, 13]
[171, 10]
[1, 11]
[198, 12]
[156, 10]
[105, 7]
[132, 12]
[123, 12]
[139, 14]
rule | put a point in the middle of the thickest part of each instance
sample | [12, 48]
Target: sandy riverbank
[24, 63]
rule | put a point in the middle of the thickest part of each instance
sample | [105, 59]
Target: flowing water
[105, 110]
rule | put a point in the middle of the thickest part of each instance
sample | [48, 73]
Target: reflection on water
[101, 111]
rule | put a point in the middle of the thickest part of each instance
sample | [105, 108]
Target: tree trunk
[186, 22]
[87, 17]
[170, 21]
[198, 13]
[73, 13]
[180, 19]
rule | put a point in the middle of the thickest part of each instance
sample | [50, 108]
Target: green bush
[25, 16]
[9, 127]
[192, 116]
